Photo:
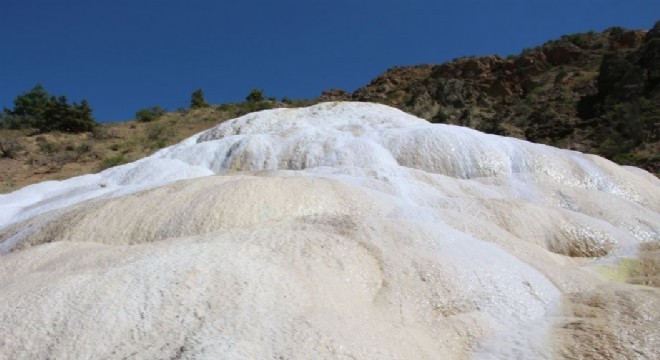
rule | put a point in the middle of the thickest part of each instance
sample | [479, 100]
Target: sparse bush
[616, 33]
[36, 109]
[240, 109]
[299, 102]
[101, 133]
[9, 147]
[441, 116]
[113, 161]
[197, 100]
[82, 148]
[535, 93]
[157, 136]
[149, 114]
[155, 132]
[631, 124]
[577, 40]
[491, 126]
[46, 147]
[256, 95]
[256, 106]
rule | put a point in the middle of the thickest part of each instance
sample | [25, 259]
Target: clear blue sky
[124, 55]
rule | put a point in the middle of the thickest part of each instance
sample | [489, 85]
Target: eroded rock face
[335, 95]
[567, 93]
[339, 230]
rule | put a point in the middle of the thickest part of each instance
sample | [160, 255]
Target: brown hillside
[594, 92]
[31, 158]
[27, 157]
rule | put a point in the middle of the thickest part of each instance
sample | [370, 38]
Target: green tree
[36, 109]
[256, 95]
[81, 118]
[29, 108]
[197, 100]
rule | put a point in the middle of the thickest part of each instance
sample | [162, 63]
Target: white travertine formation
[342, 230]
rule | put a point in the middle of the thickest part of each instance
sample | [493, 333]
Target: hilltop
[593, 92]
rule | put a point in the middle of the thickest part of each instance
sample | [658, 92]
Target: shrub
[113, 161]
[103, 132]
[527, 51]
[9, 147]
[82, 148]
[577, 40]
[442, 116]
[156, 132]
[256, 95]
[197, 100]
[36, 109]
[149, 114]
[491, 126]
[616, 33]
[46, 147]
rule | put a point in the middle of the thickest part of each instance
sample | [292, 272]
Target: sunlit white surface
[343, 229]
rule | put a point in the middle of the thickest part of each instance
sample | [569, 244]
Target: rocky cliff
[592, 92]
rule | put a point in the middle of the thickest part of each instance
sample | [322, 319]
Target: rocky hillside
[594, 92]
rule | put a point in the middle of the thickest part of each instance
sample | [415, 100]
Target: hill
[594, 92]
[28, 157]
[335, 231]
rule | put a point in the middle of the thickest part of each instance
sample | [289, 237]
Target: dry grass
[56, 156]
[613, 321]
[646, 270]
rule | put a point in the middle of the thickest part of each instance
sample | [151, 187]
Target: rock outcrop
[593, 92]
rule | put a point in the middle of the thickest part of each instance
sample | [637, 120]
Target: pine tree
[197, 100]
[36, 109]
[256, 95]
[29, 109]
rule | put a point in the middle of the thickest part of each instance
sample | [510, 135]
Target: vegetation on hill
[594, 92]
[38, 110]
[197, 100]
[27, 157]
[149, 114]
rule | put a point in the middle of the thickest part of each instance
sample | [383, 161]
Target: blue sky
[123, 56]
